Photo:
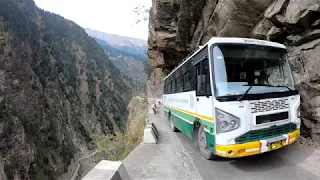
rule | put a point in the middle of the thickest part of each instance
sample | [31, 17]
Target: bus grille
[266, 133]
[269, 105]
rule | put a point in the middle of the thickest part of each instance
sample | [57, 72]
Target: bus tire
[173, 127]
[202, 144]
[195, 138]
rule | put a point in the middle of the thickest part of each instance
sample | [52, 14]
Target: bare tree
[142, 14]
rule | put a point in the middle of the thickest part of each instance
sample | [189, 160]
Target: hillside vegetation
[118, 146]
[130, 64]
[57, 89]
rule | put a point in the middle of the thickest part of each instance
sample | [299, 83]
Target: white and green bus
[234, 97]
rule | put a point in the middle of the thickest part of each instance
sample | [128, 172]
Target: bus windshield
[237, 67]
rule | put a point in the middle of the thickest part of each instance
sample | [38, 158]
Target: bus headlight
[226, 122]
[233, 124]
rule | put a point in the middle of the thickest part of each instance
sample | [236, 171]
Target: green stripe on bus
[184, 116]
[184, 126]
[209, 126]
[210, 142]
[184, 122]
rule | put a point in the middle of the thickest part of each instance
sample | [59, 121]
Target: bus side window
[179, 84]
[203, 79]
[166, 86]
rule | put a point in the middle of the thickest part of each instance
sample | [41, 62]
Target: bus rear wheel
[173, 127]
[202, 143]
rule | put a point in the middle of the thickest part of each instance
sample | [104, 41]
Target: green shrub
[9, 166]
[118, 146]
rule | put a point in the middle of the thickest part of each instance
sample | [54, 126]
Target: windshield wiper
[240, 98]
[267, 85]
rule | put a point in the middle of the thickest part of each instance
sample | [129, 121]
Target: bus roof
[217, 40]
[231, 40]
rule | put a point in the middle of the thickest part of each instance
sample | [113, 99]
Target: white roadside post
[151, 134]
[108, 170]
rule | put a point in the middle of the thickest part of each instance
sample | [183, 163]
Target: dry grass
[118, 146]
[137, 124]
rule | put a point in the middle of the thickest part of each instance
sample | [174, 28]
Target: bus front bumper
[257, 147]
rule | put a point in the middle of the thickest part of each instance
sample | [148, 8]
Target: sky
[110, 16]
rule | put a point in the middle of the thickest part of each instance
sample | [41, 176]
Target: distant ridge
[130, 45]
[130, 64]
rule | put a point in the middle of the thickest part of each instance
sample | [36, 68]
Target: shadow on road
[287, 156]
[261, 162]
[291, 162]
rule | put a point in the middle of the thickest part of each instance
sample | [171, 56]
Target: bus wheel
[202, 141]
[173, 127]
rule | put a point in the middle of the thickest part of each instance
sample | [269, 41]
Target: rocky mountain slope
[129, 64]
[179, 26]
[130, 45]
[57, 89]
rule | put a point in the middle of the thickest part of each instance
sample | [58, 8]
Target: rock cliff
[177, 27]
[57, 89]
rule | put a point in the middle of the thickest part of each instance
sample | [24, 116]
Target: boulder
[304, 37]
[274, 9]
[298, 9]
[166, 40]
[316, 23]
[188, 18]
[237, 17]
[261, 30]
[203, 24]
[308, 15]
[156, 58]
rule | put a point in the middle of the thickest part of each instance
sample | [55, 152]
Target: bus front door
[203, 93]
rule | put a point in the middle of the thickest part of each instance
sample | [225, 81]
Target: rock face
[2, 173]
[177, 27]
[57, 89]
